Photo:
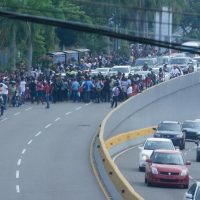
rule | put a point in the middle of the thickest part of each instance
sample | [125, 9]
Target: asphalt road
[44, 153]
[136, 178]
[179, 106]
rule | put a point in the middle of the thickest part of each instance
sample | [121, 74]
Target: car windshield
[167, 158]
[198, 194]
[163, 60]
[178, 61]
[194, 125]
[102, 70]
[153, 145]
[169, 127]
[122, 70]
[143, 61]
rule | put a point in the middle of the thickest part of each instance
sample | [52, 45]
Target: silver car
[193, 192]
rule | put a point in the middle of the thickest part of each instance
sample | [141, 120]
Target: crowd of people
[70, 83]
[18, 88]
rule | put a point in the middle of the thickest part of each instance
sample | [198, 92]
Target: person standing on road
[1, 100]
[22, 86]
[75, 89]
[5, 93]
[47, 90]
[1, 105]
[115, 94]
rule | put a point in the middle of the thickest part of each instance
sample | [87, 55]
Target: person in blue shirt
[75, 89]
[88, 87]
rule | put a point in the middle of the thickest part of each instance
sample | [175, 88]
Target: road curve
[136, 178]
[44, 153]
[180, 105]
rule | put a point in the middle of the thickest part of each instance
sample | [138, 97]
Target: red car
[167, 167]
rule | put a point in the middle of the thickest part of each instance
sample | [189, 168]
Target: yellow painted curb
[124, 137]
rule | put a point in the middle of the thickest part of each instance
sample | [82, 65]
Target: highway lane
[179, 105]
[136, 178]
[44, 153]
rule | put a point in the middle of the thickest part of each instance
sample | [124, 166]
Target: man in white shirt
[174, 72]
[4, 92]
[22, 89]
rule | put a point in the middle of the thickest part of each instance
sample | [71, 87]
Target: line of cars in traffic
[162, 159]
[184, 63]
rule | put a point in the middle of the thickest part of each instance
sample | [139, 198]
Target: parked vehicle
[191, 129]
[193, 192]
[173, 131]
[167, 167]
[150, 145]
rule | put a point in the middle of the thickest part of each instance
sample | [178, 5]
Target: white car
[103, 71]
[139, 62]
[150, 145]
[123, 69]
[193, 192]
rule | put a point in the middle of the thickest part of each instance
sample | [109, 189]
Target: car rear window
[169, 127]
[195, 125]
[153, 145]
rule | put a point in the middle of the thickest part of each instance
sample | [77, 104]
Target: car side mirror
[188, 196]
[154, 128]
[188, 163]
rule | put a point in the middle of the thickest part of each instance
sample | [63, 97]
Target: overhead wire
[95, 30]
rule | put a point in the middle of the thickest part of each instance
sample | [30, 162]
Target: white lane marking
[28, 109]
[57, 119]
[38, 133]
[68, 113]
[24, 151]
[48, 125]
[78, 108]
[87, 104]
[119, 154]
[30, 141]
[17, 113]
[4, 119]
[19, 162]
[17, 189]
[17, 174]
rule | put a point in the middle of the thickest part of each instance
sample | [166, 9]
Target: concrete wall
[163, 99]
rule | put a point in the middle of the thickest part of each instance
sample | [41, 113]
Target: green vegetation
[28, 42]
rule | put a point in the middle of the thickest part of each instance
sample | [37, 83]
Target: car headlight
[154, 170]
[144, 157]
[184, 172]
[179, 135]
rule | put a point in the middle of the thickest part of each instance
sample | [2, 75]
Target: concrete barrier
[124, 141]
[124, 119]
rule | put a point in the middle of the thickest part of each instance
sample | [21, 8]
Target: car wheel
[198, 159]
[185, 186]
[148, 183]
[141, 169]
[182, 147]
